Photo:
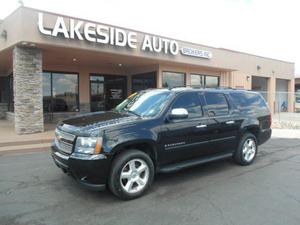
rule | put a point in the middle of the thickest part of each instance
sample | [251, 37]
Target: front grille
[64, 141]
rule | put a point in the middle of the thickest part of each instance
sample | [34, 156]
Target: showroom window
[200, 80]
[60, 92]
[211, 81]
[173, 79]
[197, 80]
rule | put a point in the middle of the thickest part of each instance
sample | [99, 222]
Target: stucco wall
[20, 29]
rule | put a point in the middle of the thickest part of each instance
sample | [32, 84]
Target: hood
[90, 122]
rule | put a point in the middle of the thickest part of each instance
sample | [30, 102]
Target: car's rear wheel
[131, 174]
[247, 150]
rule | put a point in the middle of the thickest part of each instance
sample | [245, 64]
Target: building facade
[297, 83]
[53, 66]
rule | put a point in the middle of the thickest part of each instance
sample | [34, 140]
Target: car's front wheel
[131, 174]
[247, 150]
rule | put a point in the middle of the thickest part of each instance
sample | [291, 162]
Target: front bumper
[90, 171]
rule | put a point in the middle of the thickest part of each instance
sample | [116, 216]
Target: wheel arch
[146, 146]
[253, 129]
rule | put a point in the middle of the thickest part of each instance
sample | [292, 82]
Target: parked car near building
[160, 131]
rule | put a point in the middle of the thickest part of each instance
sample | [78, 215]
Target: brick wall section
[28, 90]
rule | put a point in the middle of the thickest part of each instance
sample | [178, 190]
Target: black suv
[160, 131]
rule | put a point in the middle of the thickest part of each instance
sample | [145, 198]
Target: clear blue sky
[265, 27]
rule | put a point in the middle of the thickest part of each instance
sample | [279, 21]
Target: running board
[192, 162]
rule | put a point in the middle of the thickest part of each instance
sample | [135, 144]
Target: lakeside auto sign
[108, 35]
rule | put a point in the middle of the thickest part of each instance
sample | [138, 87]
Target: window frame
[144, 76]
[167, 71]
[204, 79]
[51, 88]
[227, 101]
[200, 75]
[202, 105]
[218, 85]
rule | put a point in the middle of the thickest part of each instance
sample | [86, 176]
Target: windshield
[145, 104]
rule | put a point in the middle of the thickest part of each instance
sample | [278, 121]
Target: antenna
[20, 2]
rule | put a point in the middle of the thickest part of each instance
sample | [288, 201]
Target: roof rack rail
[203, 87]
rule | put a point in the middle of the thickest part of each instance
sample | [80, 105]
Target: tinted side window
[190, 102]
[217, 103]
[248, 102]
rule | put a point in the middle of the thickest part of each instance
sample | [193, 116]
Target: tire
[131, 175]
[247, 150]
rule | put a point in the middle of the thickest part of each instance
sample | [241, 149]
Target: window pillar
[28, 90]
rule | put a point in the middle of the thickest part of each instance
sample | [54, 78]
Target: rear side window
[248, 102]
[216, 104]
[190, 102]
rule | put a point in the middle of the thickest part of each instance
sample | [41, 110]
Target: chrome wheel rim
[134, 176]
[249, 149]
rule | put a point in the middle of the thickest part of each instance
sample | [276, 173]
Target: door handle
[201, 126]
[230, 122]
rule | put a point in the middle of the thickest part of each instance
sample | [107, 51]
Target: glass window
[60, 92]
[47, 96]
[197, 80]
[211, 81]
[248, 102]
[145, 103]
[260, 84]
[4, 89]
[190, 102]
[172, 79]
[216, 104]
[143, 81]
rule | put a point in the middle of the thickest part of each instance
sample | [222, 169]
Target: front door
[107, 91]
[182, 139]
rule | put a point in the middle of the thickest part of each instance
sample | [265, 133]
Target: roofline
[246, 53]
[188, 42]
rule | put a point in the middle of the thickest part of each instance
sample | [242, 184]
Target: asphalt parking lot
[33, 191]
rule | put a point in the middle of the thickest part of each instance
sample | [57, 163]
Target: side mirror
[179, 113]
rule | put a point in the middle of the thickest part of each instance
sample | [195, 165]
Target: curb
[17, 151]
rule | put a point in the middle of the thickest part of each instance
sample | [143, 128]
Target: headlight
[88, 145]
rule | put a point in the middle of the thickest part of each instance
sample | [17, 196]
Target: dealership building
[53, 66]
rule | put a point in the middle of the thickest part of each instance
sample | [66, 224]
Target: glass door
[97, 93]
[115, 90]
[107, 91]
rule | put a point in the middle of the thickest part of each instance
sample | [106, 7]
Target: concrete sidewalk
[11, 142]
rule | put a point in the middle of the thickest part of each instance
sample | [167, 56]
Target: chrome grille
[64, 141]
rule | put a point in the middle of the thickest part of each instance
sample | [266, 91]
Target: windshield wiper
[132, 112]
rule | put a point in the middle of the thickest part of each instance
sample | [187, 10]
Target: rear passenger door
[222, 124]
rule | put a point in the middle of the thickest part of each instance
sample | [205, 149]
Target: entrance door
[97, 93]
[143, 81]
[115, 91]
[106, 91]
